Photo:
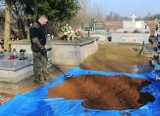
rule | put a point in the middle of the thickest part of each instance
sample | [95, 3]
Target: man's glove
[44, 52]
[49, 49]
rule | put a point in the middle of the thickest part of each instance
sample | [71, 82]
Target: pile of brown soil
[104, 92]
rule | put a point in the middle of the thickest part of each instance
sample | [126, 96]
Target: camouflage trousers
[37, 59]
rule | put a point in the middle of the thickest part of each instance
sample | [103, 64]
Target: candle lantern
[15, 53]
[21, 54]
[25, 54]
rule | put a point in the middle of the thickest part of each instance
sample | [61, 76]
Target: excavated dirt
[104, 92]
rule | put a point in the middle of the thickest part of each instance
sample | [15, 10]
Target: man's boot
[42, 78]
[38, 80]
[47, 77]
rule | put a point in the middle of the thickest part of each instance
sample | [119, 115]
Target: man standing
[38, 42]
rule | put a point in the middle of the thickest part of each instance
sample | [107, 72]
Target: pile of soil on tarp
[104, 92]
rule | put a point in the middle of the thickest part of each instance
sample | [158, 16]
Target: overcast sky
[127, 7]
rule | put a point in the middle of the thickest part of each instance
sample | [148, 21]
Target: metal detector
[67, 76]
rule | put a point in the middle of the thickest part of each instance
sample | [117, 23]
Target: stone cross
[133, 18]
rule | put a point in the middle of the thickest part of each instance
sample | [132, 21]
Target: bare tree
[87, 12]
[81, 15]
[97, 11]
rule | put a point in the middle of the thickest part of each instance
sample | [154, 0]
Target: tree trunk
[21, 28]
[7, 25]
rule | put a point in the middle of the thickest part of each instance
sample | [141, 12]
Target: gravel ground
[4, 97]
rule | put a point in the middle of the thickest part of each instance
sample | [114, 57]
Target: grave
[134, 25]
[97, 29]
[102, 34]
[131, 32]
[92, 25]
[153, 51]
[14, 70]
[86, 25]
[99, 25]
[63, 53]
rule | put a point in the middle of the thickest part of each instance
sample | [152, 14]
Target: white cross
[133, 18]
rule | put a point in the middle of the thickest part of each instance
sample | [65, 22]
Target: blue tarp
[37, 103]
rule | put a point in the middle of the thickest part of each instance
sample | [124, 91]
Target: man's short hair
[43, 16]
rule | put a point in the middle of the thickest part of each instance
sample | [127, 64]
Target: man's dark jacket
[37, 36]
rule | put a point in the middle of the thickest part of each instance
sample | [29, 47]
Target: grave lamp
[15, 53]
[89, 33]
[21, 54]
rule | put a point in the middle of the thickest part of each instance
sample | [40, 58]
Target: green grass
[115, 57]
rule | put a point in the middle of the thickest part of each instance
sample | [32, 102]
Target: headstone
[99, 26]
[85, 25]
[92, 24]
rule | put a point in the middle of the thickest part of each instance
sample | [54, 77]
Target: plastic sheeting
[37, 103]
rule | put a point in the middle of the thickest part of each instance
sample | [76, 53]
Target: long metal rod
[66, 76]
[56, 67]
